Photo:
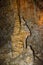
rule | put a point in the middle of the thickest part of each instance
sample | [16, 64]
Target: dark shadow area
[6, 22]
[6, 27]
[39, 4]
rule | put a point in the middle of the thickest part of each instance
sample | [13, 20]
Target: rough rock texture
[21, 33]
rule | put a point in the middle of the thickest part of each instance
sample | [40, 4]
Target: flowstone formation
[13, 34]
[21, 32]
